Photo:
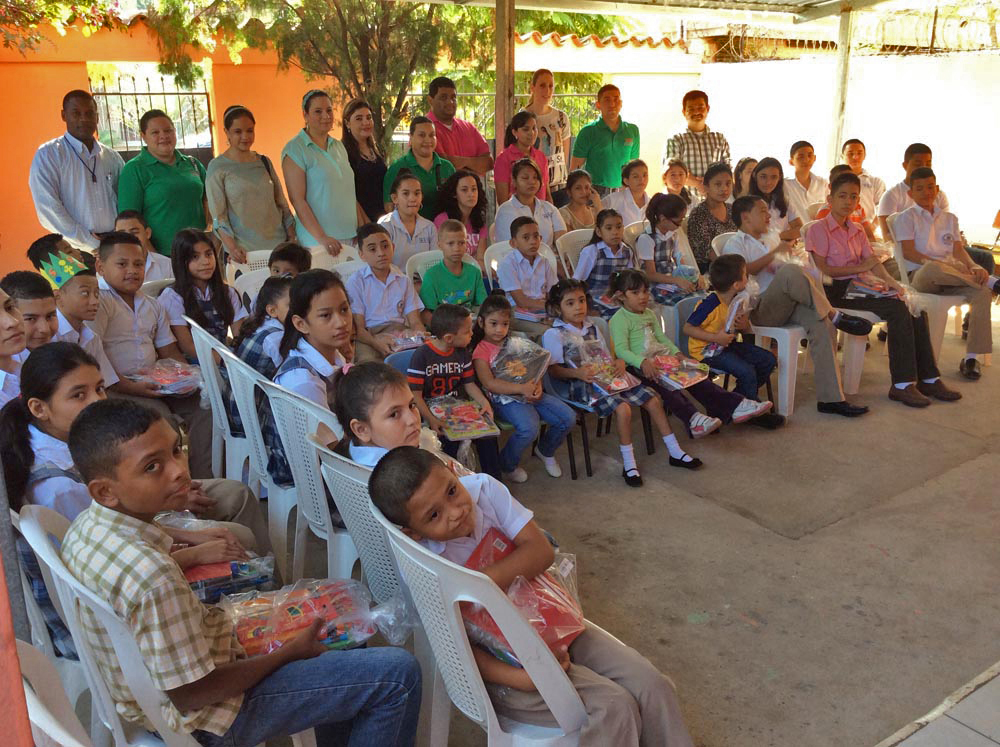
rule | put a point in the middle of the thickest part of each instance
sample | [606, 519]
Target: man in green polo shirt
[606, 144]
[426, 165]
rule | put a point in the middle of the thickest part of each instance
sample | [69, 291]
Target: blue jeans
[750, 364]
[526, 421]
[362, 697]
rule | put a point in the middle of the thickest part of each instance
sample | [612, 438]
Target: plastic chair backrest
[400, 360]
[420, 262]
[349, 482]
[495, 253]
[323, 260]
[897, 249]
[245, 381]
[38, 526]
[155, 287]
[248, 286]
[632, 231]
[40, 637]
[255, 261]
[204, 346]
[812, 208]
[720, 241]
[569, 246]
[297, 419]
[348, 268]
[436, 587]
[49, 709]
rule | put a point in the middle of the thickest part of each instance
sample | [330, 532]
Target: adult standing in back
[554, 133]
[698, 146]
[366, 159]
[74, 178]
[430, 169]
[457, 140]
[320, 180]
[248, 205]
[166, 186]
[605, 145]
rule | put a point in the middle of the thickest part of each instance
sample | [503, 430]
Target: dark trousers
[750, 364]
[982, 258]
[911, 356]
[487, 449]
[718, 402]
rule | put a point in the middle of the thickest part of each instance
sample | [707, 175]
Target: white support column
[844, 40]
[504, 104]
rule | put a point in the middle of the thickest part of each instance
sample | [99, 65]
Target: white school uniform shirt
[131, 335]
[622, 202]
[382, 303]
[897, 199]
[273, 341]
[90, 342]
[801, 197]
[303, 382]
[75, 190]
[545, 214]
[424, 237]
[493, 506]
[933, 234]
[61, 494]
[158, 267]
[751, 250]
[517, 273]
[553, 342]
[872, 189]
[588, 258]
[173, 304]
[10, 384]
[780, 222]
[366, 456]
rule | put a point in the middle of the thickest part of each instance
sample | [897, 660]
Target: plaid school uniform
[251, 351]
[599, 279]
[665, 261]
[581, 392]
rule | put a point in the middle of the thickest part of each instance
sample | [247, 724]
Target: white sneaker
[552, 467]
[517, 475]
[701, 425]
[748, 409]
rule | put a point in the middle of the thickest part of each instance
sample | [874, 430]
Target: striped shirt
[698, 150]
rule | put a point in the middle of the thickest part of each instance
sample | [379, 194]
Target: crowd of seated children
[767, 181]
[527, 180]
[631, 201]
[606, 254]
[628, 701]
[463, 198]
[382, 297]
[442, 367]
[675, 179]
[289, 258]
[452, 280]
[493, 325]
[526, 276]
[584, 201]
[519, 142]
[158, 266]
[409, 231]
[11, 348]
[804, 188]
[659, 250]
[712, 216]
[36, 304]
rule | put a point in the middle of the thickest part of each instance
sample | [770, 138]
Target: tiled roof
[559, 40]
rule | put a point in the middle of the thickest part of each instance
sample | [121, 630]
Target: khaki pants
[941, 279]
[794, 297]
[629, 702]
[364, 352]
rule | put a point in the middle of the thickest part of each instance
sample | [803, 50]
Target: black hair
[397, 476]
[370, 229]
[132, 215]
[742, 206]
[419, 120]
[664, 206]
[76, 93]
[270, 292]
[599, 219]
[777, 197]
[304, 288]
[438, 83]
[741, 166]
[233, 113]
[359, 390]
[26, 285]
[293, 253]
[401, 176]
[797, 146]
[852, 141]
[494, 302]
[181, 253]
[40, 376]
[626, 280]
[99, 432]
[925, 172]
[629, 167]
[41, 248]
[310, 95]
[149, 116]
[684, 194]
[725, 271]
[840, 168]
[576, 175]
[519, 222]
[605, 88]
[849, 177]
[518, 121]
[350, 143]
[694, 96]
[447, 318]
[916, 149]
[553, 300]
[525, 163]
[719, 167]
[111, 239]
[448, 199]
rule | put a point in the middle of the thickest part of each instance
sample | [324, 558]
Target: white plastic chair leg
[280, 504]
[936, 324]
[237, 455]
[341, 555]
[435, 708]
[304, 739]
[854, 361]
[217, 455]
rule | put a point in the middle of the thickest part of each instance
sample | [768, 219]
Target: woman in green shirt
[163, 184]
[320, 179]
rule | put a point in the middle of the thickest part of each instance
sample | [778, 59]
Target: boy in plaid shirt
[132, 462]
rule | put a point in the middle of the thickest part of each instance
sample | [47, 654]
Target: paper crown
[60, 269]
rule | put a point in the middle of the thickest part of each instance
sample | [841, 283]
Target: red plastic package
[547, 601]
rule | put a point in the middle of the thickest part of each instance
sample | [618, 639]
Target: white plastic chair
[52, 717]
[248, 285]
[348, 268]
[323, 260]
[437, 586]
[813, 208]
[495, 253]
[419, 263]
[154, 287]
[235, 450]
[297, 419]
[255, 261]
[569, 246]
[246, 382]
[349, 482]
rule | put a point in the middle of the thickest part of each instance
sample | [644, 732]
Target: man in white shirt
[74, 178]
[804, 188]
[932, 245]
[872, 188]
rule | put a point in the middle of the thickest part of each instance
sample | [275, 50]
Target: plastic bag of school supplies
[606, 379]
[549, 601]
[265, 621]
[675, 370]
[211, 580]
[400, 338]
[463, 418]
[519, 361]
[169, 376]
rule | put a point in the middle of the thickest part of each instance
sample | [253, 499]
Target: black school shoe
[969, 368]
[633, 481]
[843, 407]
[695, 463]
[769, 420]
[853, 325]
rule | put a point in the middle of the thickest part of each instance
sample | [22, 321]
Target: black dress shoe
[883, 335]
[695, 463]
[843, 407]
[969, 368]
[769, 420]
[853, 325]
[633, 481]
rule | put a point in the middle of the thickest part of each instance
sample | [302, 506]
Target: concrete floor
[825, 584]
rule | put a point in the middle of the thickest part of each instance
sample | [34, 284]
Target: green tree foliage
[20, 20]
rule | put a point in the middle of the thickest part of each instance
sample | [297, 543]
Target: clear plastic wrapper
[401, 339]
[169, 376]
[210, 581]
[582, 352]
[549, 601]
[265, 621]
[463, 418]
[184, 520]
[429, 441]
[519, 361]
[674, 370]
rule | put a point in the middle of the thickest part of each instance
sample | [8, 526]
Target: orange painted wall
[33, 88]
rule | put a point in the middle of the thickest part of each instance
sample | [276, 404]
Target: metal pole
[8, 550]
[844, 40]
[504, 101]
